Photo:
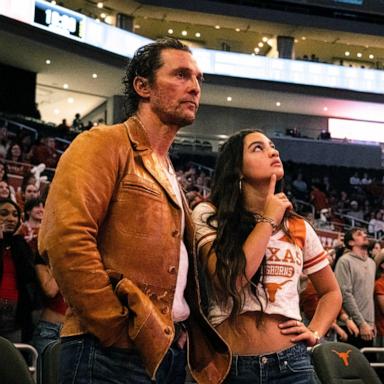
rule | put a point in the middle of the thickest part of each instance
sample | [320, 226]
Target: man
[355, 272]
[118, 227]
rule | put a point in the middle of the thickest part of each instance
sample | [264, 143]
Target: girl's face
[16, 150]
[2, 171]
[4, 190]
[9, 217]
[37, 212]
[260, 159]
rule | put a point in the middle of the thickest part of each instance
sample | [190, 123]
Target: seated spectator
[376, 225]
[300, 187]
[355, 211]
[15, 159]
[355, 179]
[5, 192]
[4, 142]
[17, 277]
[366, 180]
[45, 152]
[318, 198]
[28, 190]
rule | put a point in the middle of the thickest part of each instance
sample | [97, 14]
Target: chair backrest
[48, 364]
[13, 367]
[342, 363]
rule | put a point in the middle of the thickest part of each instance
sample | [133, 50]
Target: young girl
[252, 248]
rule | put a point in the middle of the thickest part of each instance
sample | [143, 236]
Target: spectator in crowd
[27, 191]
[355, 179]
[5, 192]
[366, 180]
[125, 168]
[17, 277]
[355, 211]
[45, 152]
[300, 187]
[376, 225]
[318, 198]
[4, 142]
[374, 250]
[33, 214]
[77, 124]
[247, 238]
[63, 128]
[15, 157]
[355, 272]
[379, 306]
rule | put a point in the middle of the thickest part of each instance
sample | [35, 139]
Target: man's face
[31, 192]
[360, 239]
[175, 92]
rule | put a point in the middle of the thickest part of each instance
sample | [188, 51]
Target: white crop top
[279, 292]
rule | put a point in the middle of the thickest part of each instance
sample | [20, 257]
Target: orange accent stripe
[315, 260]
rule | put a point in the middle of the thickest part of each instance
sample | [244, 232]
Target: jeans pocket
[299, 365]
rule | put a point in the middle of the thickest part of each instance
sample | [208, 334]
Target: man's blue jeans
[291, 366]
[83, 360]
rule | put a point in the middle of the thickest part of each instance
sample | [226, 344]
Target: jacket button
[172, 270]
[164, 310]
[168, 330]
[175, 233]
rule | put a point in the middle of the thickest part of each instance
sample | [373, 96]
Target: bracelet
[316, 335]
[264, 219]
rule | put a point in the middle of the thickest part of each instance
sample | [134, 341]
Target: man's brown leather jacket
[111, 211]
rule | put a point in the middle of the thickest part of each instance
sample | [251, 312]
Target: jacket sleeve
[77, 202]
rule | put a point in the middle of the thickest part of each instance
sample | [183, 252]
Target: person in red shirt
[17, 277]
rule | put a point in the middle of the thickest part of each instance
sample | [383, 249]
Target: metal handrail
[34, 354]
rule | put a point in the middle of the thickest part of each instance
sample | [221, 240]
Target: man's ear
[141, 86]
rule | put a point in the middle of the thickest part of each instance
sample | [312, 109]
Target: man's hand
[367, 332]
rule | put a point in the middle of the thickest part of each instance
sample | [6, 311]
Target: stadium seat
[342, 363]
[48, 364]
[13, 367]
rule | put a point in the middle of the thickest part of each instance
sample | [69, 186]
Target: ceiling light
[347, 53]
[108, 20]
[100, 4]
[170, 31]
[303, 38]
[94, 75]
[48, 61]
[217, 26]
[98, 20]
[278, 103]
[371, 56]
[229, 98]
[137, 26]
[325, 109]
[257, 50]
[296, 41]
[65, 86]
[56, 111]
[265, 39]
[103, 15]
[197, 34]
[237, 29]
[71, 100]
[261, 45]
[359, 54]
[53, 2]
[184, 33]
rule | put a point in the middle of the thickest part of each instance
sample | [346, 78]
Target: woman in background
[252, 248]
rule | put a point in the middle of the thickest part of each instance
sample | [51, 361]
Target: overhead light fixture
[65, 86]
[103, 15]
[94, 75]
[265, 39]
[48, 61]
[325, 109]
[184, 33]
[303, 38]
[229, 98]
[347, 53]
[56, 111]
[100, 4]
[53, 2]
[278, 103]
[296, 41]
[261, 45]
[359, 54]
[257, 50]
[371, 56]
[137, 26]
[217, 26]
[71, 100]
[237, 29]
[98, 20]
[108, 20]
[170, 31]
[197, 34]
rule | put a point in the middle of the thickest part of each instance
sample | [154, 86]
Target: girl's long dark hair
[233, 224]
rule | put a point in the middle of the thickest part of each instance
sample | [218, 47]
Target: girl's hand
[276, 204]
[299, 331]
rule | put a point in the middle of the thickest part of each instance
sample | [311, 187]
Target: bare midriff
[247, 337]
[52, 316]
